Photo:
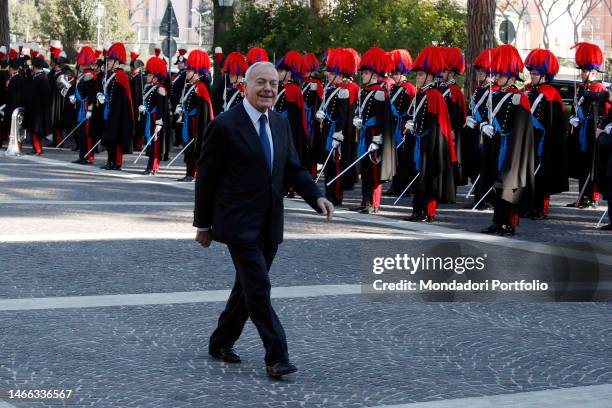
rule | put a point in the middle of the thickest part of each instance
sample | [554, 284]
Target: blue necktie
[263, 138]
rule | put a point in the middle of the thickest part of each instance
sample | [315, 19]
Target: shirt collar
[253, 113]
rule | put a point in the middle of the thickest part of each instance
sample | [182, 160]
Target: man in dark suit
[247, 160]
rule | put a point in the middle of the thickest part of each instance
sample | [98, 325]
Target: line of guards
[515, 146]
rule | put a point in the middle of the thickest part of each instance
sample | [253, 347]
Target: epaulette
[344, 93]
[162, 90]
[88, 76]
[516, 99]
[379, 95]
[313, 86]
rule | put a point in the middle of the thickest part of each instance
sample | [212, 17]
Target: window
[189, 14]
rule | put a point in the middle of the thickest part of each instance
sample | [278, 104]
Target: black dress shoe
[491, 229]
[572, 205]
[606, 228]
[147, 172]
[390, 193]
[416, 217]
[429, 218]
[506, 230]
[186, 179]
[291, 194]
[117, 168]
[369, 210]
[279, 369]
[79, 161]
[537, 215]
[360, 208]
[108, 166]
[228, 355]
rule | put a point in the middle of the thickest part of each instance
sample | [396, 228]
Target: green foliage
[360, 24]
[23, 18]
[72, 21]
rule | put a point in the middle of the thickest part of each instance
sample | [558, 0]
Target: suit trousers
[250, 298]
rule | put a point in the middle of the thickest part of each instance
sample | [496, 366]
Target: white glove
[373, 147]
[377, 139]
[178, 110]
[320, 115]
[158, 128]
[63, 92]
[471, 122]
[101, 97]
[574, 121]
[409, 127]
[488, 130]
[336, 143]
[72, 99]
[142, 109]
[608, 129]
[88, 115]
[2, 111]
[357, 122]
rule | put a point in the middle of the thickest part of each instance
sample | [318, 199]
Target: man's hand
[327, 208]
[203, 238]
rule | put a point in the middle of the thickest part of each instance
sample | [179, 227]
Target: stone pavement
[105, 293]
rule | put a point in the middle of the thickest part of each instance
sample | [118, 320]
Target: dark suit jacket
[235, 191]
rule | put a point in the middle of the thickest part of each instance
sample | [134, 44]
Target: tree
[545, 13]
[67, 21]
[4, 23]
[480, 35]
[116, 23]
[580, 13]
[518, 7]
[23, 17]
[317, 7]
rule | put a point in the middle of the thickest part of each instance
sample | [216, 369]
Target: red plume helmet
[235, 64]
[542, 61]
[430, 60]
[376, 60]
[198, 61]
[355, 55]
[401, 61]
[117, 52]
[157, 52]
[484, 59]
[588, 56]
[341, 61]
[310, 63]
[454, 59]
[86, 56]
[157, 67]
[256, 54]
[507, 61]
[292, 61]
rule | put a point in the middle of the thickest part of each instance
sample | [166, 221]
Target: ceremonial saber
[537, 169]
[472, 188]
[406, 189]
[325, 164]
[92, 149]
[147, 145]
[602, 217]
[73, 130]
[586, 183]
[349, 167]
[401, 143]
[483, 197]
[179, 153]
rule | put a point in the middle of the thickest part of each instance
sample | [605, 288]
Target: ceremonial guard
[587, 111]
[335, 118]
[4, 76]
[137, 81]
[376, 146]
[549, 132]
[485, 161]
[234, 68]
[196, 109]
[312, 92]
[83, 97]
[400, 98]
[38, 103]
[59, 89]
[290, 104]
[512, 131]
[605, 144]
[15, 89]
[116, 99]
[154, 109]
[176, 93]
[455, 102]
[433, 149]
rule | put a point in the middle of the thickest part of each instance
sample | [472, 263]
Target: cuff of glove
[204, 229]
[159, 122]
[377, 139]
[338, 136]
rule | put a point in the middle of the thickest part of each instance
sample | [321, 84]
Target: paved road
[104, 292]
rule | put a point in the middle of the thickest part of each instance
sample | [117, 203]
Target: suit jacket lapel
[277, 139]
[250, 136]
